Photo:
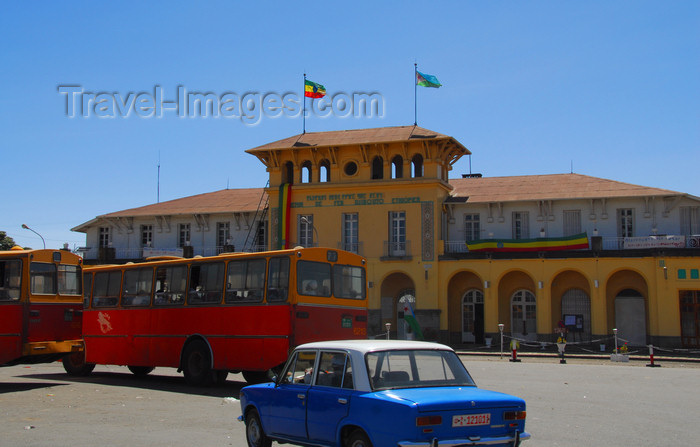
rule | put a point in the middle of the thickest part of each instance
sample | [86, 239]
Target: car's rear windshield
[416, 368]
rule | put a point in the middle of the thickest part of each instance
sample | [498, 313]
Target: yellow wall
[440, 284]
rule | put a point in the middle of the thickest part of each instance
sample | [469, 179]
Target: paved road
[582, 403]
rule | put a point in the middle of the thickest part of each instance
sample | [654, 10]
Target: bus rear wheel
[196, 363]
[75, 364]
[141, 370]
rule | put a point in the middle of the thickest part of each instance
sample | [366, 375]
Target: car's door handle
[342, 400]
[301, 396]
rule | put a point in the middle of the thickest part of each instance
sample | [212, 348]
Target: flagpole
[415, 94]
[303, 113]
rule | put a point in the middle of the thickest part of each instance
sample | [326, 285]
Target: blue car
[363, 393]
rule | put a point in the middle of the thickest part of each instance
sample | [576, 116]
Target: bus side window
[171, 282]
[138, 284]
[278, 280]
[255, 281]
[10, 279]
[107, 287]
[87, 289]
[245, 281]
[235, 282]
[206, 281]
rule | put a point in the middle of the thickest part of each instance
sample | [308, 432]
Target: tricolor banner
[284, 213]
[574, 242]
[314, 90]
[410, 318]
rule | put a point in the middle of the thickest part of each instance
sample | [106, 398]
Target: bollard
[561, 345]
[514, 346]
[651, 357]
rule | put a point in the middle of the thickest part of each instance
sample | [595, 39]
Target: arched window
[473, 316]
[306, 172]
[288, 173]
[577, 302]
[417, 166]
[377, 168]
[405, 302]
[397, 167]
[324, 171]
[523, 315]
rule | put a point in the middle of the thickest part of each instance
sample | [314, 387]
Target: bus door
[11, 320]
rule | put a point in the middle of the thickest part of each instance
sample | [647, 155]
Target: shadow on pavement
[153, 381]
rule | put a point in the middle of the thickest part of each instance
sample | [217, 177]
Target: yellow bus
[41, 305]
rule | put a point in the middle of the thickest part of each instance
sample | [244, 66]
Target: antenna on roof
[158, 182]
[572, 167]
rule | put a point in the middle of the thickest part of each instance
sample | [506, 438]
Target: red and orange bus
[209, 316]
[40, 305]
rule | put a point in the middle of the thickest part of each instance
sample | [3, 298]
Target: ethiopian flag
[426, 80]
[313, 90]
[575, 242]
[285, 211]
[410, 318]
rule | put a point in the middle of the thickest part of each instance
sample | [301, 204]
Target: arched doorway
[576, 305]
[473, 317]
[403, 329]
[523, 315]
[630, 317]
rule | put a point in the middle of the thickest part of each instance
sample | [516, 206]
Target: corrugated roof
[474, 190]
[224, 201]
[357, 136]
[548, 187]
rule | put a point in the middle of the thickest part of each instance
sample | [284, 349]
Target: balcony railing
[397, 249]
[615, 243]
[352, 247]
[106, 254]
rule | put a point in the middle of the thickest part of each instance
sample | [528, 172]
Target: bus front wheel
[196, 363]
[75, 364]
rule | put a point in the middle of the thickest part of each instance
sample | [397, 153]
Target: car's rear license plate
[465, 420]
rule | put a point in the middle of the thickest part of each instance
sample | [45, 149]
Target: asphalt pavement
[584, 402]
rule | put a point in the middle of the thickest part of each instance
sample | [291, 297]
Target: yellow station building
[386, 194]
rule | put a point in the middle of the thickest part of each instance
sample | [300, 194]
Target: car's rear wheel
[358, 438]
[141, 370]
[254, 433]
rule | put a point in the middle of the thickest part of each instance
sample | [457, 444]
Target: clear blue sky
[530, 87]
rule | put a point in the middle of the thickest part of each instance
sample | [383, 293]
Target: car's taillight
[514, 415]
[422, 421]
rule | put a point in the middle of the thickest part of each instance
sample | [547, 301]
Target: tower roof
[355, 137]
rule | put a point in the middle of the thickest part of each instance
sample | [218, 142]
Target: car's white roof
[364, 346]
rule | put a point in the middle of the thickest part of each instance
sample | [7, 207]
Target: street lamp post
[313, 227]
[500, 329]
[42, 238]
